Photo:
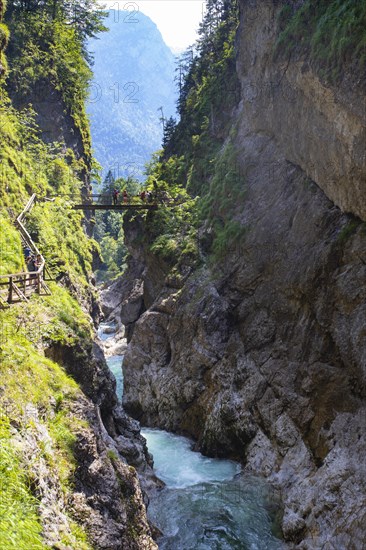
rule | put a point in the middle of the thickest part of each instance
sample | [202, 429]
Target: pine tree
[169, 130]
[108, 184]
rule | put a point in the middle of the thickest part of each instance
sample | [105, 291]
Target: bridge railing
[107, 198]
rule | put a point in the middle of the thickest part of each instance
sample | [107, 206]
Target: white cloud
[177, 20]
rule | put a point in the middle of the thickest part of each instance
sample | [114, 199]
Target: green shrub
[47, 54]
[11, 254]
[348, 230]
[226, 238]
[225, 196]
[4, 36]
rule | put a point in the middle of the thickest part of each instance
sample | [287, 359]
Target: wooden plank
[23, 273]
[49, 275]
[46, 289]
[39, 283]
[14, 275]
[28, 206]
[12, 280]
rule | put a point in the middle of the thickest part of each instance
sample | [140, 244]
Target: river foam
[207, 504]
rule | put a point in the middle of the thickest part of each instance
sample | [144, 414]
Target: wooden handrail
[26, 235]
[28, 206]
[25, 276]
[23, 273]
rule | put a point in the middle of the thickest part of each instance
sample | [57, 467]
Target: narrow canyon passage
[189, 179]
[206, 503]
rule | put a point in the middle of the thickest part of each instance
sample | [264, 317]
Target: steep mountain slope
[257, 347]
[65, 481]
[133, 77]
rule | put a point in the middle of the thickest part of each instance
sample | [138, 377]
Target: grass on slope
[19, 524]
[27, 166]
[29, 378]
[333, 32]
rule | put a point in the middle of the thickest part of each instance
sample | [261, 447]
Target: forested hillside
[133, 78]
[194, 161]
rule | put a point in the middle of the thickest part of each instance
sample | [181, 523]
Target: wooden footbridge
[106, 202]
[17, 287]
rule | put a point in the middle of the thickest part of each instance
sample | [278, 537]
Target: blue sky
[177, 20]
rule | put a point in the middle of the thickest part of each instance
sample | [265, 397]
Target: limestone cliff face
[263, 357]
[320, 128]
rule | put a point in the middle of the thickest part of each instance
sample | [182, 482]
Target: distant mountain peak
[133, 77]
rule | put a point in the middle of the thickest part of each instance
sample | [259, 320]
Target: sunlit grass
[20, 528]
[29, 378]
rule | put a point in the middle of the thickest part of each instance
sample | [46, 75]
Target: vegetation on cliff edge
[332, 33]
[47, 51]
[27, 377]
[198, 164]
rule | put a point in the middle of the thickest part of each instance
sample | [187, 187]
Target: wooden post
[10, 297]
[39, 283]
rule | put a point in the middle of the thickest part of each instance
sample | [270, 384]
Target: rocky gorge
[252, 345]
[261, 356]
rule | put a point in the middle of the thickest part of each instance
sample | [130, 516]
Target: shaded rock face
[110, 453]
[125, 300]
[263, 358]
[266, 362]
[122, 301]
[106, 498]
[320, 128]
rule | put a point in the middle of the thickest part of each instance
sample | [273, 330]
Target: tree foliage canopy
[85, 16]
[47, 50]
[209, 88]
[188, 165]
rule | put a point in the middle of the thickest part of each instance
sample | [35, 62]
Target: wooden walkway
[17, 287]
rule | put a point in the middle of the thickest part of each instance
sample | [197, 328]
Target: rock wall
[54, 119]
[263, 356]
[318, 127]
[112, 462]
